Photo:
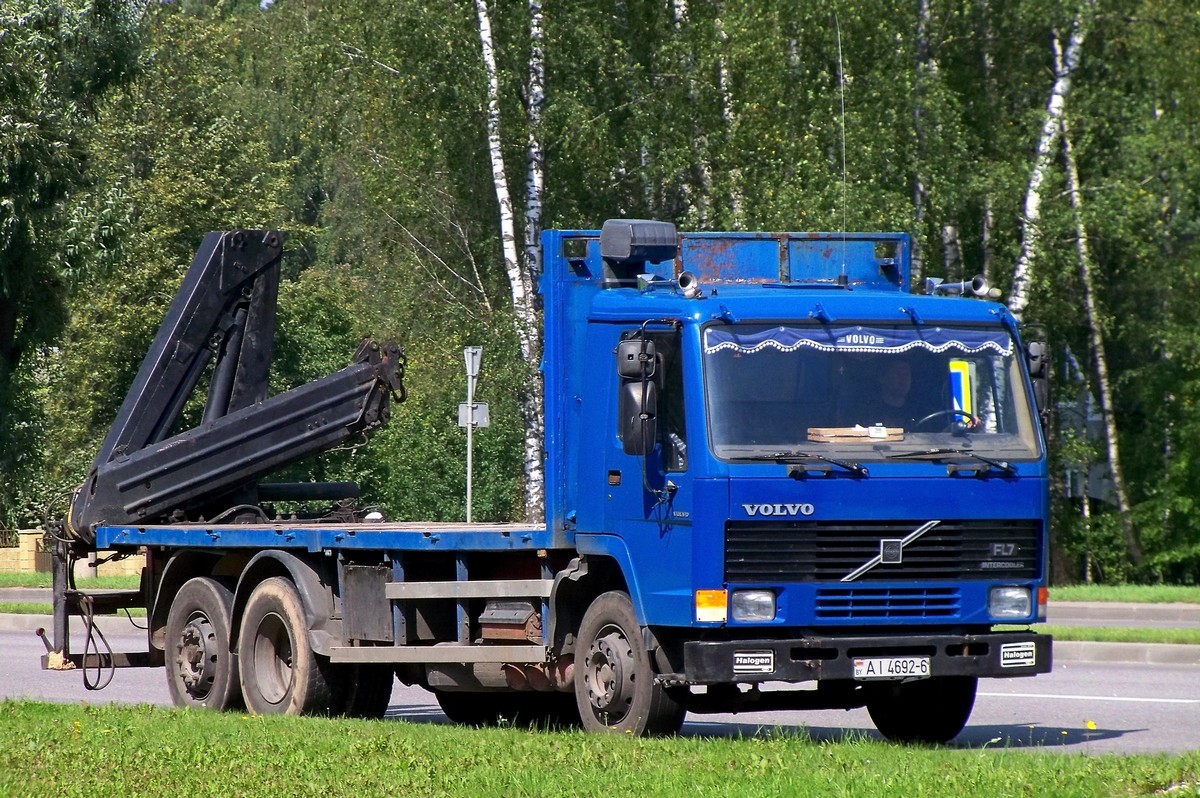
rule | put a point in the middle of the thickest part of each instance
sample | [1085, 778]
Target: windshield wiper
[857, 469]
[940, 452]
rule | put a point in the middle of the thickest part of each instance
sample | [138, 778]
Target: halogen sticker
[754, 662]
[1018, 655]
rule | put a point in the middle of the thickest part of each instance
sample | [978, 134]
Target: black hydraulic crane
[224, 313]
[221, 323]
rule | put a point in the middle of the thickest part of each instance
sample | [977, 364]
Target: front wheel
[614, 681]
[280, 673]
[925, 711]
[201, 668]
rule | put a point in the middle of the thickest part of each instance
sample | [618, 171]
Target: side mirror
[1037, 358]
[638, 409]
[636, 359]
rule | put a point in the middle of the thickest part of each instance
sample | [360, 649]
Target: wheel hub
[610, 669]
[196, 663]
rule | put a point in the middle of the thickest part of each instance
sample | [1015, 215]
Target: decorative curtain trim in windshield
[877, 340]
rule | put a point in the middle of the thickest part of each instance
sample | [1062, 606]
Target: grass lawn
[1117, 634]
[34, 608]
[81, 750]
[1139, 594]
[43, 580]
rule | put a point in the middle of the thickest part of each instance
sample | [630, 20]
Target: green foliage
[59, 59]
[359, 128]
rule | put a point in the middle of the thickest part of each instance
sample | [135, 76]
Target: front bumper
[806, 659]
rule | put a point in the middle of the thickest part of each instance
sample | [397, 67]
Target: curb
[107, 624]
[1126, 653]
[1102, 613]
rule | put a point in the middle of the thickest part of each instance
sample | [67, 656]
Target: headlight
[753, 605]
[1010, 603]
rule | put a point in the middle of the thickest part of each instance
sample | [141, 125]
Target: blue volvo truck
[776, 479]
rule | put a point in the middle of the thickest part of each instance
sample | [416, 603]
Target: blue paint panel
[876, 260]
[728, 258]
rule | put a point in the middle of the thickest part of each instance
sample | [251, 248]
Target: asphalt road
[1082, 707]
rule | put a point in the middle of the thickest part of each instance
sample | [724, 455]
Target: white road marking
[1060, 697]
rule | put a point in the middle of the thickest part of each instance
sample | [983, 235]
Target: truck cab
[802, 471]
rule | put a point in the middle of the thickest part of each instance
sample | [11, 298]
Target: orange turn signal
[712, 606]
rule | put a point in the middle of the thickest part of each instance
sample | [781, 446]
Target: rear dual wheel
[361, 690]
[280, 673]
[201, 669]
[500, 708]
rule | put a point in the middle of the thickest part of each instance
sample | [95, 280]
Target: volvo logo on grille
[779, 509]
[891, 551]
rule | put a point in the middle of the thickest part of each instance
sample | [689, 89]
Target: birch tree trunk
[1096, 334]
[520, 282]
[728, 118]
[533, 402]
[1065, 64]
[920, 193]
[702, 173]
[985, 236]
[535, 97]
[952, 251]
[989, 83]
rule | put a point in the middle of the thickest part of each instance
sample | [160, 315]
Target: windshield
[865, 392]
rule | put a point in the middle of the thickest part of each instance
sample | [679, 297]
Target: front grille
[875, 603]
[824, 551]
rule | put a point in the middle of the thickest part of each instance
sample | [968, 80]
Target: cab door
[649, 482]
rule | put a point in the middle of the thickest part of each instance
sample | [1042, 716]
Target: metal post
[58, 579]
[470, 449]
[471, 355]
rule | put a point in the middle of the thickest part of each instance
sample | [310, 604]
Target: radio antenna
[842, 91]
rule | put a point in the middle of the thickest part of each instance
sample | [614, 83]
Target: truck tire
[280, 673]
[929, 711]
[361, 690]
[201, 669]
[524, 709]
[614, 681]
[475, 708]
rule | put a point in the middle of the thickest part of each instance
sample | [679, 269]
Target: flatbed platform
[314, 537]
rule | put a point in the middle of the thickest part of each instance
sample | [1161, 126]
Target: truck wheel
[614, 682]
[475, 708]
[525, 709]
[925, 711]
[201, 668]
[362, 690]
[556, 711]
[280, 673]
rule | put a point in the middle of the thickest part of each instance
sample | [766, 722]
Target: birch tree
[1065, 64]
[920, 182]
[1096, 336]
[535, 99]
[520, 277]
